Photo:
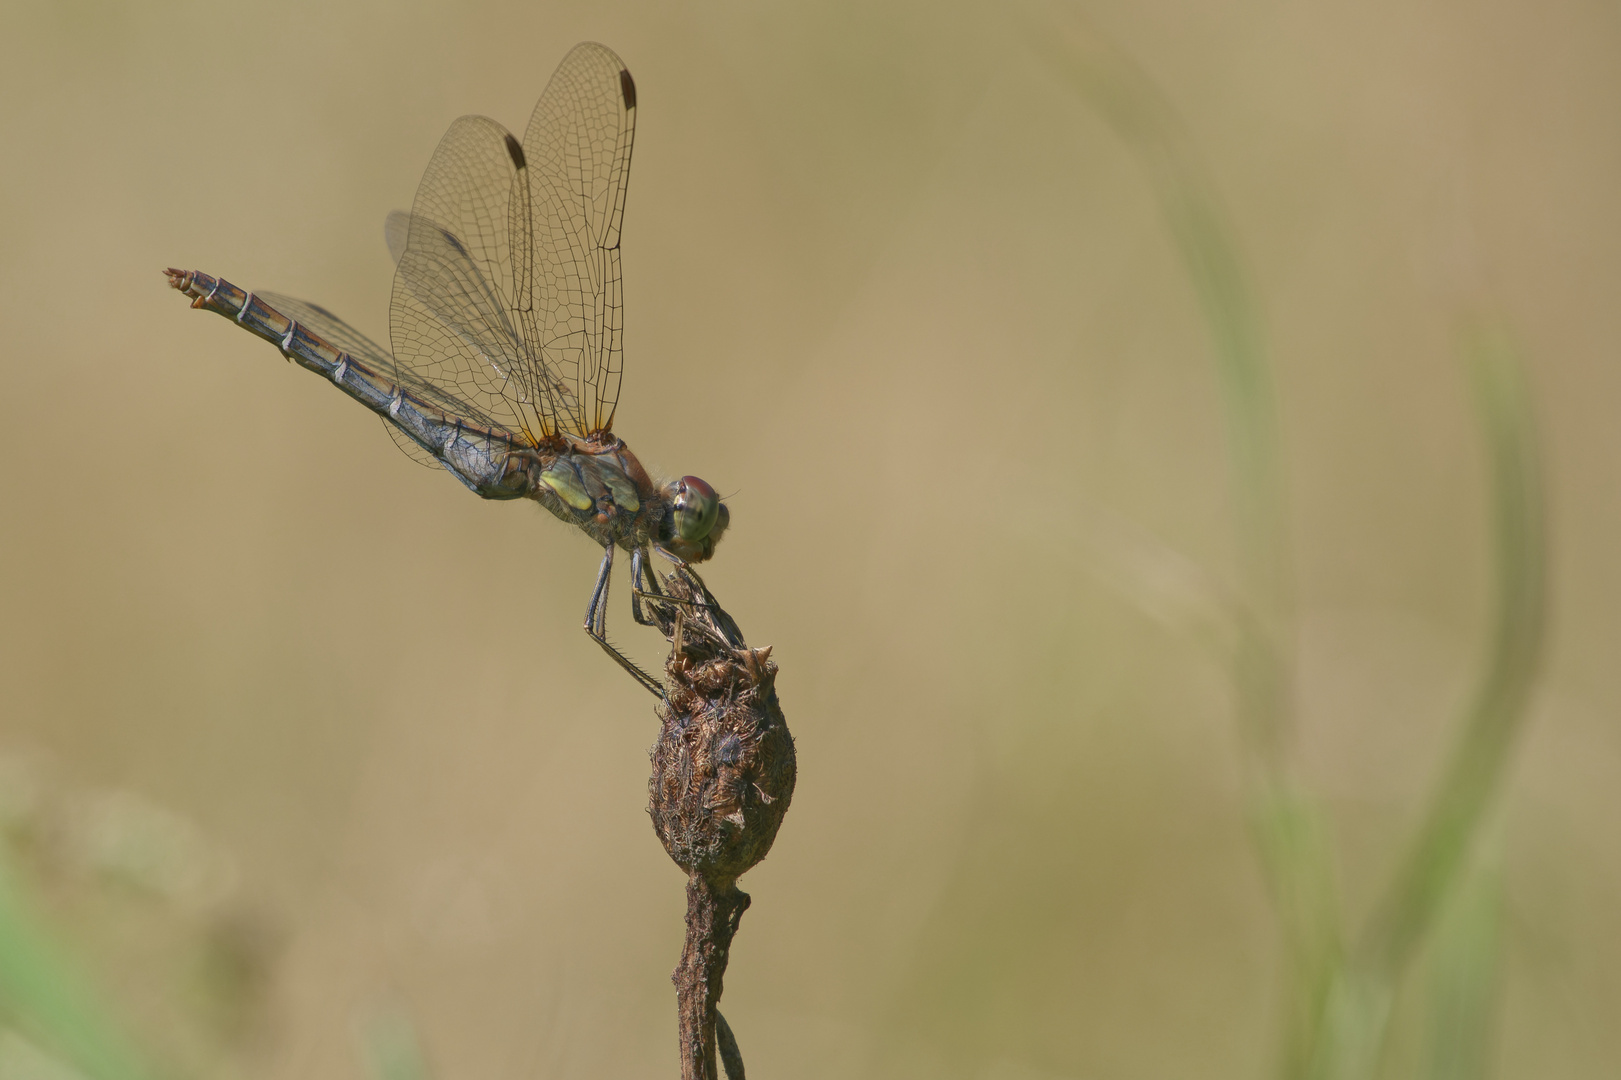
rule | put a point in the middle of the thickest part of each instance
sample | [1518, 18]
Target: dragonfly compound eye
[696, 509]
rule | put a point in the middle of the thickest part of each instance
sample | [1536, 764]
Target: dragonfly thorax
[602, 488]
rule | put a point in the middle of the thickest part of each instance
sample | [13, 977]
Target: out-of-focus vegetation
[179, 953]
[1188, 681]
[1340, 994]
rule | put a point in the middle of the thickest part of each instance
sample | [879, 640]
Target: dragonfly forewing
[507, 288]
[578, 145]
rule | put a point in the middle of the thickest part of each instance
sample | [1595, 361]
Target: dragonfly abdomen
[476, 457]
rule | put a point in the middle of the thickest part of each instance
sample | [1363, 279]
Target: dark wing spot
[514, 150]
[627, 88]
[453, 240]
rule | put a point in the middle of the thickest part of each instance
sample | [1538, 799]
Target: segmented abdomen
[476, 456]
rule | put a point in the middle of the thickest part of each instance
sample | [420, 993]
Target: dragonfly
[506, 322]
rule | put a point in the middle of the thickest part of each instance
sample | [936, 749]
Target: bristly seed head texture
[723, 766]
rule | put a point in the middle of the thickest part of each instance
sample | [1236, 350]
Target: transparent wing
[578, 148]
[507, 284]
[451, 317]
[396, 230]
[320, 321]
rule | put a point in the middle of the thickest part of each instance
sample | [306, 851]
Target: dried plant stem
[713, 915]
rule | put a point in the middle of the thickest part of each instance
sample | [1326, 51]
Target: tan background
[905, 299]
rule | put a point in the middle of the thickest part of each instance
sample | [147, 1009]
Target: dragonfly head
[697, 518]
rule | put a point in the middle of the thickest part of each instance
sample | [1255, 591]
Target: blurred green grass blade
[391, 1048]
[1145, 121]
[1498, 706]
[1444, 842]
[1356, 1014]
[21, 1059]
[1354, 999]
[1294, 846]
[1289, 830]
[43, 994]
[1464, 953]
[1464, 977]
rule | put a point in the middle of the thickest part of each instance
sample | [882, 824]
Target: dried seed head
[723, 766]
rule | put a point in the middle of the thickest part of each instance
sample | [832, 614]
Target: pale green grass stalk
[392, 1051]
[43, 996]
[1441, 850]
[1288, 827]
[1463, 981]
[1337, 998]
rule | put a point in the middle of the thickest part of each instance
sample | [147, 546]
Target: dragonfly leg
[596, 625]
[705, 614]
[641, 572]
[685, 567]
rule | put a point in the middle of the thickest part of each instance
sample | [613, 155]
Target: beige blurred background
[905, 299]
